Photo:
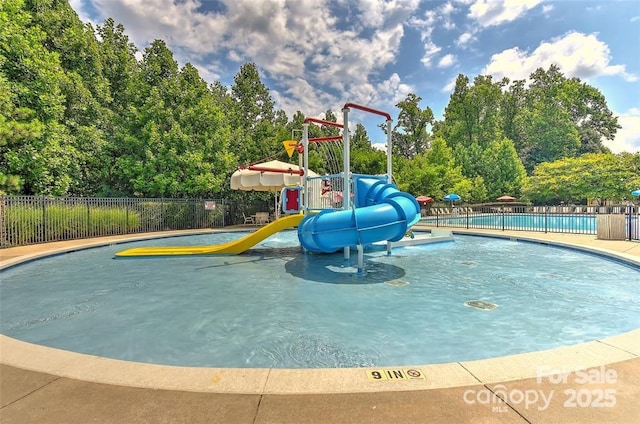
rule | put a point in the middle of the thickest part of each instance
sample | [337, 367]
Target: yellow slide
[230, 248]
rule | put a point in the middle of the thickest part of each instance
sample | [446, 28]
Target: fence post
[629, 228]
[44, 219]
[467, 219]
[89, 234]
[546, 209]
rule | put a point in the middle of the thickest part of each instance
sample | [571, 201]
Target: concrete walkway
[597, 382]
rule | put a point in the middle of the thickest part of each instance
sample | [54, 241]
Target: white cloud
[393, 89]
[298, 43]
[446, 11]
[576, 54]
[179, 24]
[628, 137]
[447, 61]
[465, 38]
[430, 50]
[494, 12]
[208, 72]
[448, 88]
[374, 13]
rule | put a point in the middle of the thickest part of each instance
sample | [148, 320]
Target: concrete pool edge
[307, 381]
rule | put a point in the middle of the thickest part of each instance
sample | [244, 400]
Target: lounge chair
[248, 219]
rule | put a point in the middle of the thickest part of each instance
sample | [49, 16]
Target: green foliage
[65, 222]
[410, 135]
[502, 172]
[595, 176]
[432, 173]
[553, 118]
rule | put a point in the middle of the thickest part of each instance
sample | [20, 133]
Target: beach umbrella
[451, 197]
[423, 200]
[273, 176]
[506, 199]
[636, 192]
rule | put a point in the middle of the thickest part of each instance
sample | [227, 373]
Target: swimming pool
[583, 224]
[276, 307]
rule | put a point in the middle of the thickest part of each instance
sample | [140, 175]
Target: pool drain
[480, 304]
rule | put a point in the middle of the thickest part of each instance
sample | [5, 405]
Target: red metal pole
[282, 171]
[320, 121]
[320, 139]
[367, 109]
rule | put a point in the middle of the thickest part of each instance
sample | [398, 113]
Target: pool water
[277, 307]
[585, 224]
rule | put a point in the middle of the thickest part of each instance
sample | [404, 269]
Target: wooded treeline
[81, 115]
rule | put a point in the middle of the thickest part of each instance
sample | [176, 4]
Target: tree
[473, 123]
[561, 118]
[547, 133]
[410, 134]
[473, 113]
[253, 114]
[513, 102]
[44, 159]
[589, 111]
[18, 126]
[364, 158]
[597, 176]
[433, 172]
[503, 172]
[119, 67]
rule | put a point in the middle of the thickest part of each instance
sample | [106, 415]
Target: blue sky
[316, 55]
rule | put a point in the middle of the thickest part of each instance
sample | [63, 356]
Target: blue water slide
[381, 212]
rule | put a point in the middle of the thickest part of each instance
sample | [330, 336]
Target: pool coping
[96, 369]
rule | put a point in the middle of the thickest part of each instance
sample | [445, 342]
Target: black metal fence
[28, 220]
[35, 219]
[608, 222]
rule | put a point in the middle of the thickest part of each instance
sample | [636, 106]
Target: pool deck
[594, 382]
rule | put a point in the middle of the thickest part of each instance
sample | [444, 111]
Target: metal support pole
[346, 189]
[305, 146]
[389, 153]
[389, 168]
[346, 171]
[360, 260]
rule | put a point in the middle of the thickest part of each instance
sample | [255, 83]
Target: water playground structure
[332, 212]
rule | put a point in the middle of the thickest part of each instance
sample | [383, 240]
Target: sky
[316, 55]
